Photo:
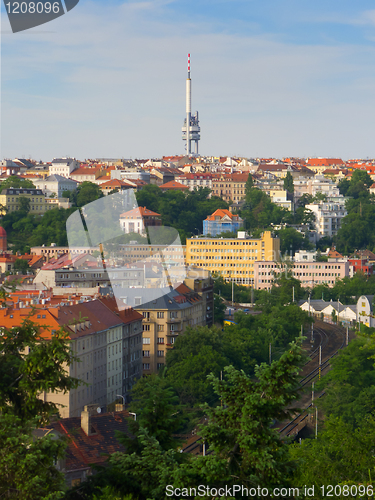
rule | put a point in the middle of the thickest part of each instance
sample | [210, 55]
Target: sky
[269, 79]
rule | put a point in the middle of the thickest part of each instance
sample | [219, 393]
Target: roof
[138, 212]
[174, 185]
[334, 254]
[83, 450]
[127, 315]
[2, 232]
[222, 212]
[116, 183]
[63, 160]
[322, 162]
[59, 178]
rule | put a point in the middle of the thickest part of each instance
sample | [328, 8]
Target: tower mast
[191, 129]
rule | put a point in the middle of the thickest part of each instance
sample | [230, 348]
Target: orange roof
[116, 183]
[140, 211]
[12, 317]
[321, 162]
[221, 212]
[173, 185]
[85, 171]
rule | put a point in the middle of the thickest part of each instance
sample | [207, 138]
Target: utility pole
[270, 353]
[232, 292]
[316, 423]
[293, 294]
[347, 335]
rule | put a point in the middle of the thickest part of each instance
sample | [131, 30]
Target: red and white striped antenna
[188, 65]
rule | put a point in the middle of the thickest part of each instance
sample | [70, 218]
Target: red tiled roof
[221, 212]
[173, 185]
[85, 450]
[140, 211]
[321, 162]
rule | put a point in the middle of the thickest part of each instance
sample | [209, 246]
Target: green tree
[30, 364]
[249, 183]
[350, 384]
[244, 447]
[219, 309]
[338, 456]
[21, 265]
[88, 192]
[24, 204]
[27, 465]
[288, 183]
[292, 241]
[14, 181]
[158, 411]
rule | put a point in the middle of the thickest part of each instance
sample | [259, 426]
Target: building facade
[233, 258]
[221, 221]
[308, 273]
[328, 217]
[138, 219]
[10, 199]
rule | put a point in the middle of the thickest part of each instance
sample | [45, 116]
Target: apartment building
[54, 251]
[55, 185]
[328, 217]
[233, 258]
[230, 186]
[164, 319]
[63, 166]
[134, 252]
[10, 199]
[196, 180]
[309, 274]
[102, 339]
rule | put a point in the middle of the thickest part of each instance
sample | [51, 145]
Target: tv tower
[191, 129]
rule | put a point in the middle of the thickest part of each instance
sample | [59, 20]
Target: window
[146, 328]
[146, 315]
[146, 366]
[160, 354]
[173, 314]
[160, 365]
[160, 328]
[146, 354]
[160, 340]
[160, 314]
[146, 340]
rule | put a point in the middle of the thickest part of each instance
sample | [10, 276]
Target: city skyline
[108, 80]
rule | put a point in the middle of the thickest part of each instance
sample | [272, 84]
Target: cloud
[111, 82]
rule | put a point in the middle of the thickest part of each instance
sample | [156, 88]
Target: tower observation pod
[191, 129]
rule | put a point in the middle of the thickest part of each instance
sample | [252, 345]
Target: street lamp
[134, 414]
[119, 396]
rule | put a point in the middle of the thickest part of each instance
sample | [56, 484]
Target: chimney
[86, 424]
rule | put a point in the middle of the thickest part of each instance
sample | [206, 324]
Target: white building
[365, 310]
[55, 184]
[313, 186]
[328, 217]
[63, 166]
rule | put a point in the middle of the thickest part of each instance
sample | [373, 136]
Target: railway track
[332, 339]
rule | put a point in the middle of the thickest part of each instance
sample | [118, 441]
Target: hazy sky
[272, 78]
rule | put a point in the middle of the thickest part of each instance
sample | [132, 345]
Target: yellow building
[233, 258]
[10, 199]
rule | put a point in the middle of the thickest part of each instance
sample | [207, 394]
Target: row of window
[146, 354]
[146, 366]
